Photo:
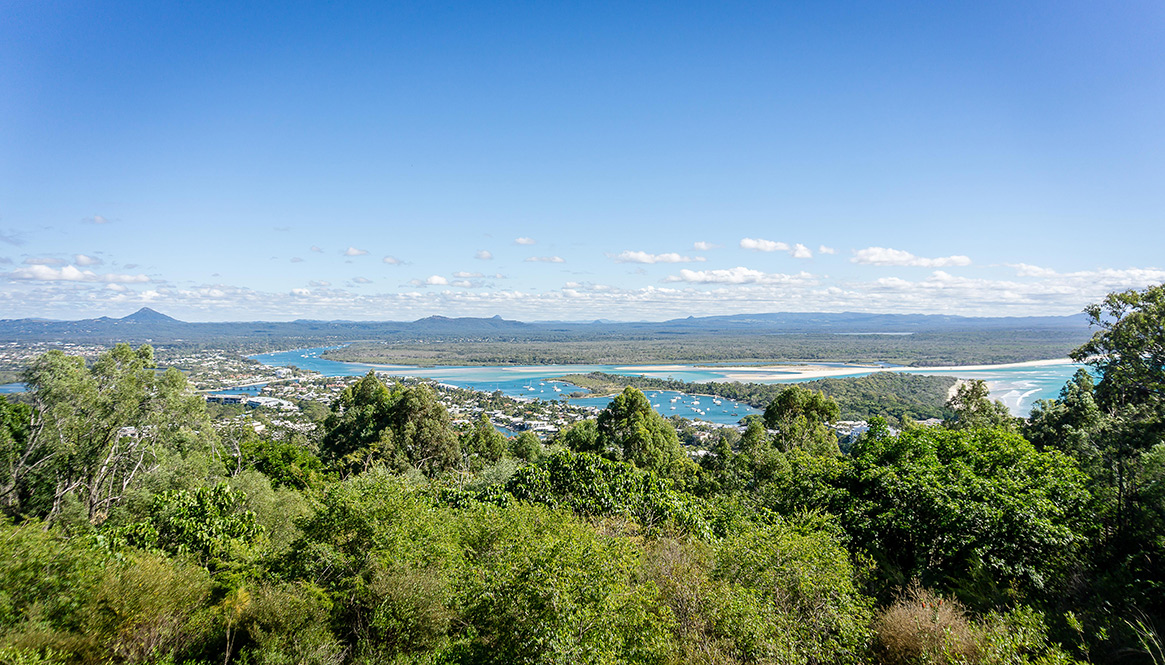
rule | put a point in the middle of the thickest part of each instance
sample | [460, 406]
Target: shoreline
[809, 372]
[770, 373]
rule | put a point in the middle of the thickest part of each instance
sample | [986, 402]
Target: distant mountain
[147, 316]
[148, 325]
[866, 322]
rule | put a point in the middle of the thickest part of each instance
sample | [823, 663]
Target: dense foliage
[133, 532]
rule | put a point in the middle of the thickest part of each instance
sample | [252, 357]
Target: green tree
[526, 446]
[371, 424]
[1120, 428]
[973, 407]
[208, 523]
[806, 606]
[15, 420]
[960, 508]
[587, 484]
[95, 432]
[286, 463]
[544, 587]
[581, 437]
[483, 445]
[1128, 350]
[1072, 423]
[357, 432]
[632, 431]
[802, 418]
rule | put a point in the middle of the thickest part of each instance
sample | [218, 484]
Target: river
[1018, 386]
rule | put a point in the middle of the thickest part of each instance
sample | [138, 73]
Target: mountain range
[148, 325]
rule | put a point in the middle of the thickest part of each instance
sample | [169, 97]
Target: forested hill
[891, 395]
[436, 340]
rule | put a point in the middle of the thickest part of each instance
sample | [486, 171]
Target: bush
[288, 625]
[544, 587]
[150, 607]
[801, 577]
[922, 627]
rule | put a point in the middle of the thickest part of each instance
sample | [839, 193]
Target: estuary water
[1017, 386]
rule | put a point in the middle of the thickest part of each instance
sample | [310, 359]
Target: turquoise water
[533, 381]
[1017, 387]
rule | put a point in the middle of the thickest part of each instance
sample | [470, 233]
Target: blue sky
[224, 161]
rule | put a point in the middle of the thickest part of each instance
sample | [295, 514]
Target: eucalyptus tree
[95, 432]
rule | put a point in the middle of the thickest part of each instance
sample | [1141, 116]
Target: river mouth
[1017, 385]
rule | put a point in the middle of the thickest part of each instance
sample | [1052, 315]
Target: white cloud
[467, 275]
[884, 256]
[319, 283]
[1025, 270]
[296, 259]
[303, 293]
[797, 251]
[645, 257]
[85, 261]
[545, 259]
[316, 248]
[737, 275]
[46, 261]
[361, 280]
[43, 273]
[436, 280]
[392, 261]
[702, 246]
[352, 251]
[826, 250]
[483, 254]
[95, 219]
[523, 241]
[762, 245]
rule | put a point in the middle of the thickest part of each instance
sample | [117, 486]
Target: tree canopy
[406, 427]
[94, 432]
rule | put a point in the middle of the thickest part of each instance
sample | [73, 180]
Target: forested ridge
[924, 348]
[136, 531]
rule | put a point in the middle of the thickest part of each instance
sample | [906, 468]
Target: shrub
[922, 627]
[288, 625]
